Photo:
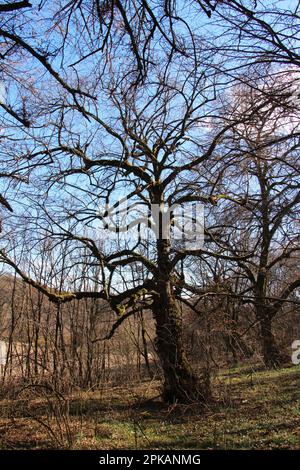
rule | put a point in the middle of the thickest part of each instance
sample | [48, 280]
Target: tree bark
[271, 354]
[180, 383]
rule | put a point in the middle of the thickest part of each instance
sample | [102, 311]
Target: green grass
[251, 410]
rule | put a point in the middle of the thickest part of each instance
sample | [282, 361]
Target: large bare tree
[131, 108]
[154, 147]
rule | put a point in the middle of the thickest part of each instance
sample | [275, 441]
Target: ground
[251, 410]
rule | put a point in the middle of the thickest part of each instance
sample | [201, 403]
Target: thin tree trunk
[145, 346]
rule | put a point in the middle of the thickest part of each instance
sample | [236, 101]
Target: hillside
[251, 410]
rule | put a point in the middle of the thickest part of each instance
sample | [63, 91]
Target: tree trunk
[271, 354]
[180, 383]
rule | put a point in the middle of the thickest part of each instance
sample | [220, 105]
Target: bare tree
[155, 136]
[149, 149]
[260, 210]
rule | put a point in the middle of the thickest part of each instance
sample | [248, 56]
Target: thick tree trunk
[271, 354]
[265, 313]
[180, 383]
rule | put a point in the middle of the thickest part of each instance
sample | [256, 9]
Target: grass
[251, 410]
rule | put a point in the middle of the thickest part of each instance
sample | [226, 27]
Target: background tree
[261, 209]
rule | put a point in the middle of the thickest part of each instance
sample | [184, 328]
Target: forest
[149, 225]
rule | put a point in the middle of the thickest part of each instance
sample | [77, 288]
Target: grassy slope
[252, 410]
